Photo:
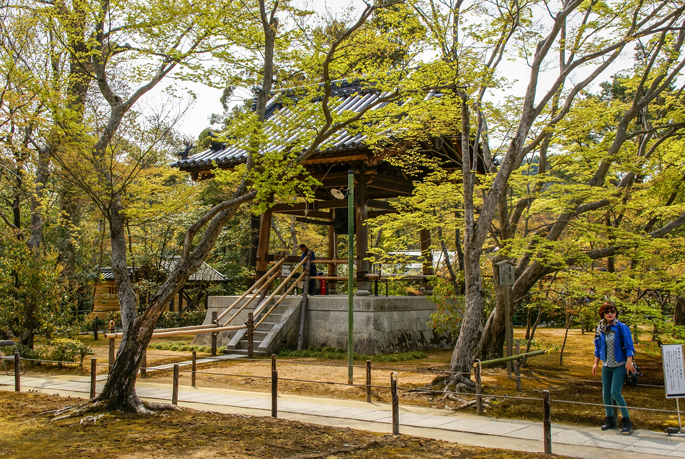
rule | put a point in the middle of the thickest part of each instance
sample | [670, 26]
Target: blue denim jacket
[623, 343]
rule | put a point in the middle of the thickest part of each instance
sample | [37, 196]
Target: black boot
[609, 423]
[627, 426]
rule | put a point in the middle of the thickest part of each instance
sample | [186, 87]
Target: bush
[86, 325]
[65, 350]
[172, 320]
[24, 351]
[115, 316]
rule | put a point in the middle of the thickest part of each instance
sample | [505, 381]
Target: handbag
[633, 378]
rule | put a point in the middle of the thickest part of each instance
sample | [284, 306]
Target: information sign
[674, 370]
[286, 270]
[506, 273]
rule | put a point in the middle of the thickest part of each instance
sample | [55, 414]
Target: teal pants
[612, 383]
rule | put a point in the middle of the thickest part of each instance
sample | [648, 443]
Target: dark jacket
[623, 343]
[312, 266]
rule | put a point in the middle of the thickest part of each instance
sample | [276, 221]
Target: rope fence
[393, 388]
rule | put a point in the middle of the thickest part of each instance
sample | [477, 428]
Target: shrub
[115, 316]
[66, 350]
[24, 351]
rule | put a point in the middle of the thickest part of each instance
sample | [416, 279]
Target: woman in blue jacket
[614, 347]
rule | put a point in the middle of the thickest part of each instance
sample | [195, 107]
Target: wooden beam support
[263, 248]
[376, 204]
[311, 206]
[388, 183]
[378, 213]
[425, 237]
[314, 222]
[332, 255]
[361, 215]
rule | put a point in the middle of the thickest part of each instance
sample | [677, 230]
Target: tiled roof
[203, 274]
[345, 97]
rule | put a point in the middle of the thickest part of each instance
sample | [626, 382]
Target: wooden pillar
[254, 239]
[425, 237]
[263, 247]
[332, 255]
[361, 215]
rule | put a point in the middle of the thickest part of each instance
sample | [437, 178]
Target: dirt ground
[571, 381]
[28, 433]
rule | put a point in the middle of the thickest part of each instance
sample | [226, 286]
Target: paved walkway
[441, 424]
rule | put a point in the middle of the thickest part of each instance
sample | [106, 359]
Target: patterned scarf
[603, 327]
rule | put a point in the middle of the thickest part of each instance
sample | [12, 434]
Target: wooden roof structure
[376, 179]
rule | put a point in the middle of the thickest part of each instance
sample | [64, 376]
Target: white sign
[506, 273]
[674, 370]
[286, 270]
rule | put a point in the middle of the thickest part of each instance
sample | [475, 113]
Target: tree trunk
[30, 321]
[569, 318]
[679, 313]
[469, 333]
[491, 345]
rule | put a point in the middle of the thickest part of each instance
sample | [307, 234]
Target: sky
[206, 99]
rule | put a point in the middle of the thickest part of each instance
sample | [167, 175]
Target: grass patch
[178, 347]
[330, 353]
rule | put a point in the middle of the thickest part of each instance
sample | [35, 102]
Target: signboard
[674, 370]
[286, 270]
[506, 273]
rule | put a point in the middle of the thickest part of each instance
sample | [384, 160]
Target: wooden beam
[378, 213]
[334, 159]
[263, 248]
[300, 213]
[376, 204]
[388, 183]
[361, 215]
[313, 221]
[311, 206]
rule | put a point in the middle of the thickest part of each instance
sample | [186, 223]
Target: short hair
[302, 246]
[607, 305]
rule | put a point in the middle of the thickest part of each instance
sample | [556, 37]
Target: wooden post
[214, 335]
[250, 335]
[194, 370]
[425, 242]
[547, 421]
[174, 390]
[263, 247]
[615, 411]
[303, 305]
[517, 367]
[395, 404]
[507, 327]
[368, 381]
[254, 243]
[273, 362]
[332, 255]
[274, 394]
[479, 389]
[143, 365]
[361, 215]
[93, 377]
[17, 372]
[110, 363]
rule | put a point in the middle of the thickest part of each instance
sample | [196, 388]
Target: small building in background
[106, 298]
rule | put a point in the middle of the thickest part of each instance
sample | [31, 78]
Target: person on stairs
[614, 347]
[312, 267]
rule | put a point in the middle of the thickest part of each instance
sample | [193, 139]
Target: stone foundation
[382, 325]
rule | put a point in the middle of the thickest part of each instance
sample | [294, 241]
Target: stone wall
[382, 325]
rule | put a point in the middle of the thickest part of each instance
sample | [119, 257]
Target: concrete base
[382, 325]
